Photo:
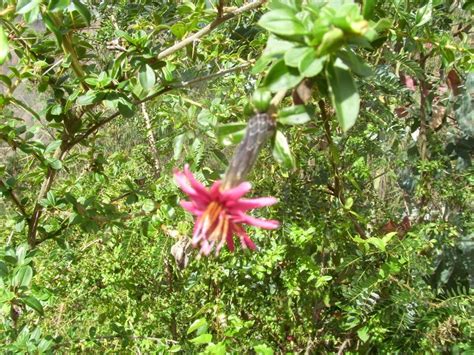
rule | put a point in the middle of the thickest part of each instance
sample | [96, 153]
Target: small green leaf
[363, 334]
[293, 115]
[282, 152]
[331, 41]
[343, 92]
[261, 99]
[54, 163]
[147, 77]
[282, 22]
[178, 145]
[33, 303]
[424, 13]
[23, 276]
[58, 5]
[52, 146]
[293, 55]
[175, 348]
[355, 63]
[198, 323]
[281, 77]
[148, 205]
[83, 10]
[263, 349]
[88, 98]
[368, 8]
[310, 65]
[202, 339]
[216, 349]
[231, 133]
[4, 48]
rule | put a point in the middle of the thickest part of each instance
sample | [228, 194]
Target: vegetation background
[371, 163]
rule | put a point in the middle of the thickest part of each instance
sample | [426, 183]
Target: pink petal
[214, 191]
[180, 179]
[245, 239]
[196, 185]
[230, 238]
[248, 204]
[236, 192]
[191, 207]
[258, 222]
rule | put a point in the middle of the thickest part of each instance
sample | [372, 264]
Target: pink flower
[220, 214]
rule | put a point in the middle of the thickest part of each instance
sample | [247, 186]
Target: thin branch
[205, 30]
[15, 200]
[151, 139]
[182, 85]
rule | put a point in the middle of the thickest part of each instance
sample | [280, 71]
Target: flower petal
[230, 238]
[248, 204]
[245, 239]
[196, 185]
[191, 207]
[258, 222]
[236, 192]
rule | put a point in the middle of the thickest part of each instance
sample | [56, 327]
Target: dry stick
[338, 186]
[151, 139]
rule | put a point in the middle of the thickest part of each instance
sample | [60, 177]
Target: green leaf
[343, 92]
[58, 5]
[231, 133]
[25, 6]
[293, 55]
[175, 348]
[424, 13]
[147, 77]
[281, 77]
[148, 205]
[355, 63]
[263, 349]
[4, 48]
[293, 115]
[88, 98]
[331, 41]
[83, 10]
[178, 145]
[125, 107]
[368, 8]
[33, 303]
[198, 323]
[363, 334]
[202, 339]
[54, 163]
[261, 99]
[282, 22]
[216, 349]
[310, 66]
[23, 276]
[282, 152]
[52, 146]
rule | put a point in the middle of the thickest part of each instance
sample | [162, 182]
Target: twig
[344, 344]
[205, 30]
[15, 200]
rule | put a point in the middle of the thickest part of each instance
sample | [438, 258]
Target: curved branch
[205, 30]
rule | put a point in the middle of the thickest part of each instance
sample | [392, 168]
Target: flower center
[215, 222]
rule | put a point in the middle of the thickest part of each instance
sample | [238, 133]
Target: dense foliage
[370, 161]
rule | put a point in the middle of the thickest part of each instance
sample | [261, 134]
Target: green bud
[261, 99]
[332, 40]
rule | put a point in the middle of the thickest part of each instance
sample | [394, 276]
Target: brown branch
[205, 30]
[45, 187]
[15, 200]
[151, 140]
